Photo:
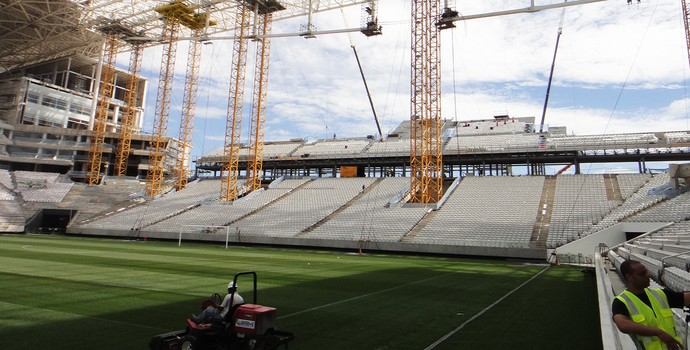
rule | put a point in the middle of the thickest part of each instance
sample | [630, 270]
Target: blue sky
[620, 68]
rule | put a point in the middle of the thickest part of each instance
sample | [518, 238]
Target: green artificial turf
[86, 293]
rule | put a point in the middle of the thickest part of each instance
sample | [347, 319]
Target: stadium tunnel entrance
[50, 221]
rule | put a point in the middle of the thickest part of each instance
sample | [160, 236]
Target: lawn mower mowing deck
[245, 327]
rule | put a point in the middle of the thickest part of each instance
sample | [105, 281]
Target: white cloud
[496, 65]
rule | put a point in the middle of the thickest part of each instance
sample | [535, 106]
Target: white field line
[449, 334]
[73, 315]
[359, 297]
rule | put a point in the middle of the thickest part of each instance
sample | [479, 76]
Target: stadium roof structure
[35, 31]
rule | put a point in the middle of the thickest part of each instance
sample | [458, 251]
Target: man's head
[232, 286]
[635, 274]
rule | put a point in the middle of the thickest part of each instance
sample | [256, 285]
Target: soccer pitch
[91, 293]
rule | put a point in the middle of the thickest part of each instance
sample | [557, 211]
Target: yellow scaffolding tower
[127, 125]
[233, 125]
[175, 14]
[101, 118]
[426, 161]
[256, 136]
[156, 165]
[188, 109]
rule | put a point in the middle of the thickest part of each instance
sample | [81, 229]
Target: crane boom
[553, 65]
[366, 87]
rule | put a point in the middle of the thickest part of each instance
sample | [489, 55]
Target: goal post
[202, 230]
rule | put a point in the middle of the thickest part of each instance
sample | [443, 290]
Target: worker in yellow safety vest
[645, 313]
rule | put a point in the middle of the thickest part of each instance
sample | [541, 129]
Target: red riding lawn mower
[245, 327]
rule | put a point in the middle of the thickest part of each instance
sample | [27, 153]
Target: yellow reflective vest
[658, 316]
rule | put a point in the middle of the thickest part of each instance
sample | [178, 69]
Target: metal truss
[34, 31]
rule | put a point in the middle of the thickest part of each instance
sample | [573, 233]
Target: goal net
[203, 232]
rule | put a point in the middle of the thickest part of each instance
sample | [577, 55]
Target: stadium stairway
[613, 190]
[540, 233]
[342, 208]
[93, 202]
[410, 236]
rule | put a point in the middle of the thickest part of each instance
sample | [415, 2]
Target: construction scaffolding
[256, 135]
[188, 110]
[175, 14]
[105, 92]
[233, 124]
[426, 161]
[127, 124]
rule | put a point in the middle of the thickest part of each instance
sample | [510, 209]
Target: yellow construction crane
[426, 161]
[175, 14]
[127, 125]
[105, 92]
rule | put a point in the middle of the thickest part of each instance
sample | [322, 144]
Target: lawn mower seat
[231, 313]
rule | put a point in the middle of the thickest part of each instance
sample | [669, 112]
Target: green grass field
[88, 293]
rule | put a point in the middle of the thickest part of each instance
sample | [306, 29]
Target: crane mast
[101, 118]
[127, 126]
[426, 161]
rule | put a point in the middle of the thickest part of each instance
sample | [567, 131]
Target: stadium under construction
[75, 158]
